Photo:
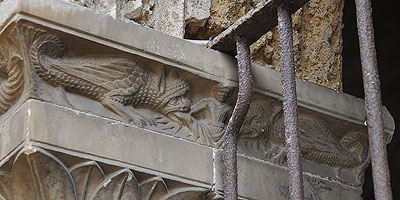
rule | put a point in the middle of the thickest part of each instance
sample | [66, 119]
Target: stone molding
[122, 86]
[38, 174]
[151, 93]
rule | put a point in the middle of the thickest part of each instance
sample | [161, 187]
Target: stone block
[120, 94]
[259, 179]
[76, 131]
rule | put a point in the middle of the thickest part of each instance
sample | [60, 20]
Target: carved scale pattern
[113, 81]
[265, 125]
[48, 48]
[38, 174]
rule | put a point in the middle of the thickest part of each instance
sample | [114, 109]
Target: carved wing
[102, 70]
[320, 145]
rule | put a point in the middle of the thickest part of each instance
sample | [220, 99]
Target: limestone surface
[159, 104]
[317, 38]
[317, 30]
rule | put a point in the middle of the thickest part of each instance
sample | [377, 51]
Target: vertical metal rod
[373, 102]
[236, 120]
[290, 103]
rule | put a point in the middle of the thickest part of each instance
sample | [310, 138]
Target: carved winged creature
[114, 81]
[264, 126]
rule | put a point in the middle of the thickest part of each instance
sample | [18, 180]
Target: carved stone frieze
[263, 132]
[122, 85]
[118, 111]
[39, 174]
[207, 119]
[114, 81]
[126, 88]
[160, 98]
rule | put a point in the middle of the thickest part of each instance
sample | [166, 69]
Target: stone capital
[101, 109]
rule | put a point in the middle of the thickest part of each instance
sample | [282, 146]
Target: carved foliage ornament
[38, 174]
[11, 68]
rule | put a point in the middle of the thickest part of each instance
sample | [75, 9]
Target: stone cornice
[177, 52]
[84, 84]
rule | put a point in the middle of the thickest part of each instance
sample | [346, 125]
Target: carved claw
[271, 152]
[338, 172]
[276, 155]
[163, 123]
[131, 117]
[144, 120]
[137, 122]
[62, 93]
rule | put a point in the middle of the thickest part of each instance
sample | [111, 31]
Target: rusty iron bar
[290, 103]
[249, 25]
[236, 120]
[373, 101]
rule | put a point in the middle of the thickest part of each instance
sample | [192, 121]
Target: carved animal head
[257, 120]
[222, 92]
[173, 94]
[177, 104]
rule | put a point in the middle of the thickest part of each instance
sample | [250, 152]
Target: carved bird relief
[113, 81]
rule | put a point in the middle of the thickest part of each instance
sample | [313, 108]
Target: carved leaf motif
[5, 185]
[11, 78]
[40, 175]
[153, 188]
[12, 52]
[120, 185]
[186, 193]
[87, 176]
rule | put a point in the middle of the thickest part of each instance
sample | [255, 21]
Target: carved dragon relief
[121, 85]
[36, 173]
[263, 131]
[115, 82]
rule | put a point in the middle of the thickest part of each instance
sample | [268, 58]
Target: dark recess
[386, 15]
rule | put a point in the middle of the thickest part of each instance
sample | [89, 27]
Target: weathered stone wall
[317, 29]
[318, 44]
[317, 37]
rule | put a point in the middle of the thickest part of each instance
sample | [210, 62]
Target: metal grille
[247, 30]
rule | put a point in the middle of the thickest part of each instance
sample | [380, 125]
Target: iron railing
[247, 30]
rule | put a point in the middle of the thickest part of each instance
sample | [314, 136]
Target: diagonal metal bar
[236, 120]
[373, 102]
[253, 25]
[290, 102]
